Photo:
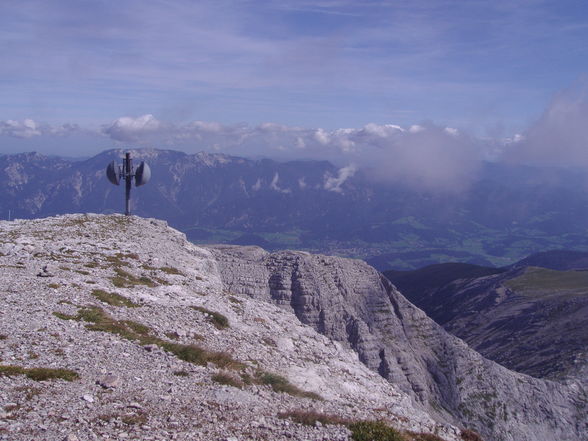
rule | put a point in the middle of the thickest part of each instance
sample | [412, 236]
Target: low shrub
[38, 374]
[227, 380]
[134, 331]
[311, 417]
[171, 270]
[124, 279]
[281, 384]
[374, 431]
[113, 299]
[424, 437]
[470, 435]
[216, 318]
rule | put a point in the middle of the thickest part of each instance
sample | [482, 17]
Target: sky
[410, 83]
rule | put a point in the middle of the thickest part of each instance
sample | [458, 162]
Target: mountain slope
[505, 213]
[352, 303]
[139, 320]
[530, 319]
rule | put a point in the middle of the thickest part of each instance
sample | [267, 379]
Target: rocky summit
[116, 327]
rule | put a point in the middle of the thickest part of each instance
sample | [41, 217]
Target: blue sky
[73, 73]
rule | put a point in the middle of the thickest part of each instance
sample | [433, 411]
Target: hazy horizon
[425, 90]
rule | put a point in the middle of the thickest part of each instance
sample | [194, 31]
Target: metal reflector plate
[142, 175]
[112, 173]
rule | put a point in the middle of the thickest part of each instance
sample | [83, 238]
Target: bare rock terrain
[148, 342]
[153, 338]
[532, 317]
[352, 303]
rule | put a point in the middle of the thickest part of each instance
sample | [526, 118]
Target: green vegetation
[281, 384]
[360, 430]
[470, 435]
[374, 431]
[38, 374]
[216, 318]
[228, 380]
[424, 437]
[63, 316]
[311, 417]
[134, 331]
[123, 279]
[171, 270]
[543, 282]
[113, 298]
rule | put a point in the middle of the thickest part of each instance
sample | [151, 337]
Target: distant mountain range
[531, 317]
[507, 213]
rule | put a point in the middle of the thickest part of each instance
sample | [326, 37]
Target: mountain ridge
[65, 265]
[505, 214]
[528, 318]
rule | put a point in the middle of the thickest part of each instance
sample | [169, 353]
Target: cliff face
[532, 318]
[136, 311]
[138, 319]
[352, 303]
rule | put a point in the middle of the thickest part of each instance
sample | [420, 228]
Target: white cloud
[129, 129]
[29, 128]
[334, 183]
[20, 129]
[427, 156]
[322, 136]
[560, 136]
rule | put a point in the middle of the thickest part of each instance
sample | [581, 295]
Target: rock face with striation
[352, 303]
[116, 327]
[532, 317]
[162, 339]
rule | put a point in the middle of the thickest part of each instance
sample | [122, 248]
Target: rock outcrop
[532, 317]
[118, 328]
[352, 303]
[150, 337]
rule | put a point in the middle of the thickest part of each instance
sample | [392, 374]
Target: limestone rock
[352, 303]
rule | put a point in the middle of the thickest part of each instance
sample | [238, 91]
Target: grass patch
[470, 435]
[63, 316]
[311, 417]
[38, 374]
[134, 331]
[54, 285]
[235, 300]
[82, 272]
[374, 431]
[113, 299]
[424, 437]
[3, 337]
[181, 373]
[228, 380]
[281, 384]
[216, 318]
[361, 430]
[171, 270]
[543, 282]
[124, 279]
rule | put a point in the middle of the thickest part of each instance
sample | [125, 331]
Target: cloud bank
[425, 156]
[560, 136]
